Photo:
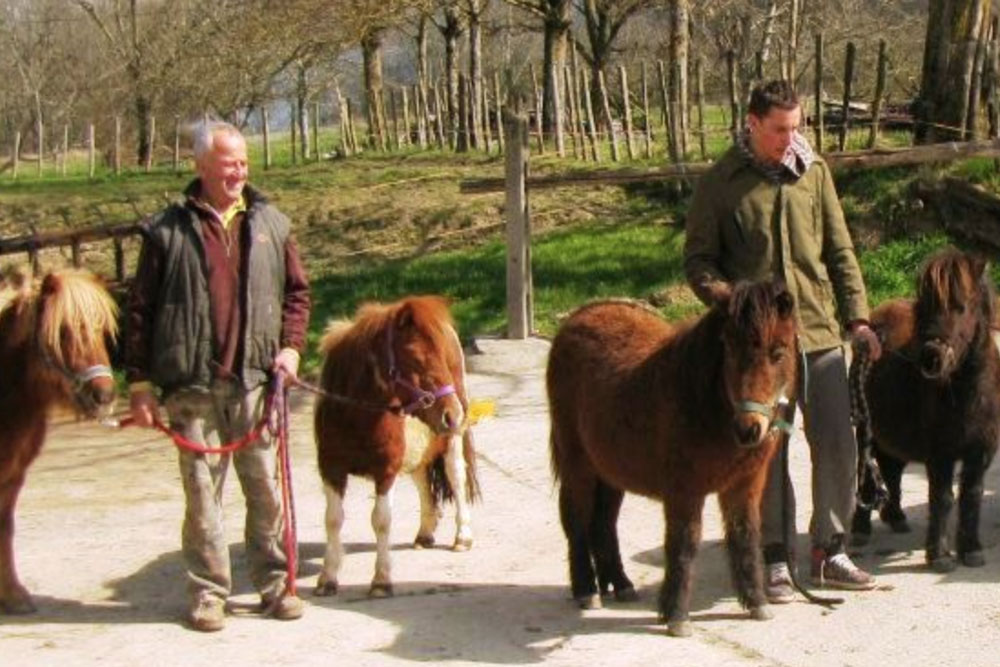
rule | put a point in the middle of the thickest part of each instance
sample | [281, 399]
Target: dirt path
[98, 544]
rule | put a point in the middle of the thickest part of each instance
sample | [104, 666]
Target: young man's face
[223, 170]
[771, 134]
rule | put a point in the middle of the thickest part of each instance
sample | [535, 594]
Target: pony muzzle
[936, 360]
[755, 421]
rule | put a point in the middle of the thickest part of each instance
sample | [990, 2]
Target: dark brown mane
[946, 279]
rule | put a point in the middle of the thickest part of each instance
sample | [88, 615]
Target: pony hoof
[761, 613]
[942, 564]
[18, 606]
[326, 589]
[900, 526]
[679, 628]
[380, 591]
[423, 542]
[592, 601]
[973, 559]
[627, 594]
[462, 544]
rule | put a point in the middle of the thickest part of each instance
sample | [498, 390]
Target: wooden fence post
[627, 106]
[519, 299]
[647, 126]
[734, 95]
[118, 146]
[668, 123]
[267, 136]
[588, 106]
[538, 109]
[177, 143]
[819, 126]
[699, 91]
[879, 92]
[17, 153]
[65, 149]
[40, 143]
[848, 80]
[499, 109]
[315, 131]
[91, 151]
[119, 259]
[606, 108]
[152, 142]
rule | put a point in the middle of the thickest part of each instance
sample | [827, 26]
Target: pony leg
[740, 506]
[455, 469]
[970, 500]
[604, 543]
[382, 523]
[327, 583]
[14, 598]
[892, 513]
[576, 509]
[683, 521]
[429, 512]
[939, 477]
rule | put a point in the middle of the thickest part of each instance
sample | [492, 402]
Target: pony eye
[777, 355]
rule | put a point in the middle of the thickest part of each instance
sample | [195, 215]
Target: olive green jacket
[741, 226]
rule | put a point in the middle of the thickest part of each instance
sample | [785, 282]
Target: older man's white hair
[205, 133]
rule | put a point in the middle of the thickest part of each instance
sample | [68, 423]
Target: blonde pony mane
[70, 299]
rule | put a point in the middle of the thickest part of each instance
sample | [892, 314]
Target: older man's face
[223, 170]
[771, 134]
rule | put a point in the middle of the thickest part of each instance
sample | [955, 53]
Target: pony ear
[404, 318]
[783, 299]
[978, 264]
[50, 284]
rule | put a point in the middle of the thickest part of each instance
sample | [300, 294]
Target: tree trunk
[679, 31]
[953, 29]
[450, 32]
[475, 9]
[302, 112]
[143, 110]
[557, 25]
[371, 50]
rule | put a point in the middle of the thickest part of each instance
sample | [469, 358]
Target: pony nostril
[930, 360]
[748, 435]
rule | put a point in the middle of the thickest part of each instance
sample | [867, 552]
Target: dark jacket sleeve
[297, 302]
[140, 310]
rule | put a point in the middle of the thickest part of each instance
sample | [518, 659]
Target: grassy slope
[382, 227]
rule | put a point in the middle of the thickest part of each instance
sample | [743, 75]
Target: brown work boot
[831, 567]
[286, 608]
[208, 614]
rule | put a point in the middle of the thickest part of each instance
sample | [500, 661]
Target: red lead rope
[274, 418]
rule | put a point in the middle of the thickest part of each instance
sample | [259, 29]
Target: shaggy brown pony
[673, 413]
[395, 403]
[934, 397]
[52, 351]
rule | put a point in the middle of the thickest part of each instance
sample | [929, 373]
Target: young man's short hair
[766, 96]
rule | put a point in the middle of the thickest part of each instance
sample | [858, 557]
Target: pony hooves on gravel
[973, 559]
[462, 544]
[679, 628]
[592, 601]
[18, 606]
[761, 613]
[423, 542]
[627, 594]
[380, 591]
[325, 589]
[942, 564]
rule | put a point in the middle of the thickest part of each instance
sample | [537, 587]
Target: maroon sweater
[226, 253]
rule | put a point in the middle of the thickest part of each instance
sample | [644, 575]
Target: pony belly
[419, 448]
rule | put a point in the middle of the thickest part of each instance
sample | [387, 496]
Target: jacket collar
[251, 195]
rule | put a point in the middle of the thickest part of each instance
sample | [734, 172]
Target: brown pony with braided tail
[674, 413]
[934, 397]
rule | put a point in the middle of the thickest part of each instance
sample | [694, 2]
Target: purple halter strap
[422, 398]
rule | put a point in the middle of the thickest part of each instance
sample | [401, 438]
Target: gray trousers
[213, 419]
[832, 449]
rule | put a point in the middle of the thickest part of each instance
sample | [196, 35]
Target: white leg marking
[382, 523]
[334, 554]
[429, 513]
[454, 464]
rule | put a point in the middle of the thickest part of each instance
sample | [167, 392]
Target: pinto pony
[673, 413]
[394, 402]
[52, 350]
[934, 397]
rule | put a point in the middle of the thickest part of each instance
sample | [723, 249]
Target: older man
[219, 303]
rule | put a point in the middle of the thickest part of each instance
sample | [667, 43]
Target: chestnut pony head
[760, 360]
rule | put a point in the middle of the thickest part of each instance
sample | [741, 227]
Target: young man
[219, 303]
[768, 208]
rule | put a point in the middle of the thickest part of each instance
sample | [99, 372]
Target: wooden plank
[34, 242]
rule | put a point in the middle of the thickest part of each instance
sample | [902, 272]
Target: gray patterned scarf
[795, 162]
